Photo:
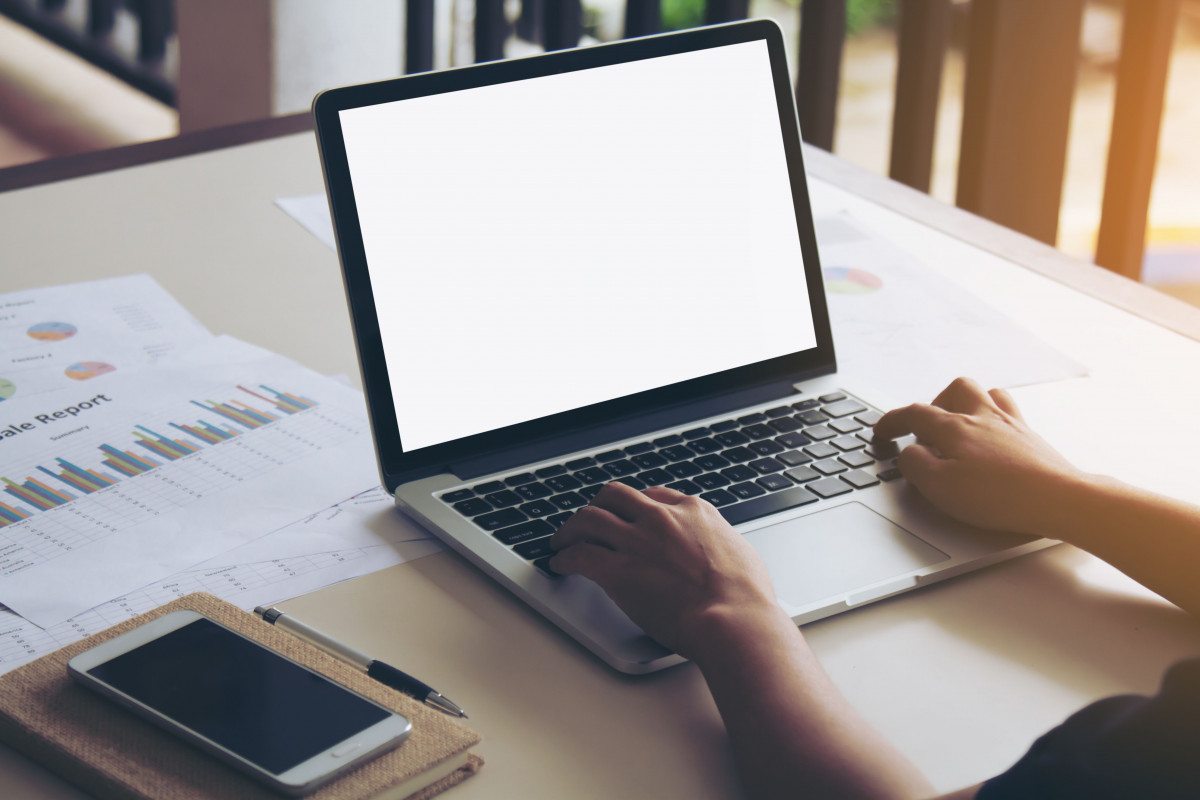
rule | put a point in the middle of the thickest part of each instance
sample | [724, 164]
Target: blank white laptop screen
[545, 244]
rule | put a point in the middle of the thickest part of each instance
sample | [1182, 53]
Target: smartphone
[272, 718]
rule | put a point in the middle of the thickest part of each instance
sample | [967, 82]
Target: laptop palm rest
[830, 554]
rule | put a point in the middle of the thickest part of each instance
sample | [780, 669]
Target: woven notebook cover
[110, 753]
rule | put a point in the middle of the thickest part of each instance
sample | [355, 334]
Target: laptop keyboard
[748, 467]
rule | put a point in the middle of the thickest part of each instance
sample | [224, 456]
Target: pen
[380, 671]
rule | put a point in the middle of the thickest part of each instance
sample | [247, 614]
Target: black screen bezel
[398, 465]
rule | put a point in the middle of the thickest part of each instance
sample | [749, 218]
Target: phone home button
[341, 751]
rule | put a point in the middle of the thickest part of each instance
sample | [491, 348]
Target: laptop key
[723, 426]
[710, 462]
[621, 467]
[687, 487]
[458, 494]
[805, 405]
[731, 438]
[785, 424]
[869, 418]
[765, 466]
[656, 477]
[739, 473]
[631, 481]
[846, 425]
[793, 440]
[747, 490]
[534, 491]
[819, 432]
[489, 487]
[829, 487]
[832, 397]
[592, 475]
[774, 483]
[517, 480]
[705, 445]
[847, 443]
[539, 508]
[711, 480]
[843, 408]
[684, 469]
[472, 507]
[558, 519]
[677, 452]
[856, 458]
[668, 441]
[719, 497]
[751, 419]
[543, 565]
[802, 474]
[766, 447]
[564, 483]
[760, 431]
[859, 479]
[530, 529]
[538, 548]
[499, 519]
[550, 472]
[649, 460]
[609, 455]
[737, 454]
[794, 458]
[821, 450]
[890, 474]
[696, 433]
[568, 500]
[768, 504]
[640, 447]
[829, 466]
[778, 411]
[813, 416]
[580, 463]
[588, 492]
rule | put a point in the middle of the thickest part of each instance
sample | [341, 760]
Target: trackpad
[831, 553]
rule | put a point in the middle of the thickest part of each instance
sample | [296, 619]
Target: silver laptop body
[600, 264]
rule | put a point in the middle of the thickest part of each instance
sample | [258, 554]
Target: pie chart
[849, 280]
[87, 369]
[52, 331]
[7, 389]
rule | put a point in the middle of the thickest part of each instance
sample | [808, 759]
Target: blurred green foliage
[860, 14]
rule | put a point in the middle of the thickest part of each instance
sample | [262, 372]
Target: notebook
[599, 264]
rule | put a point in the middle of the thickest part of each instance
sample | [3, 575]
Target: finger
[662, 494]
[962, 396]
[590, 524]
[1005, 403]
[919, 464]
[919, 419]
[589, 560]
[622, 500]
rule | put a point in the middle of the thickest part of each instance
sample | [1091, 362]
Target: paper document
[312, 212]
[83, 334]
[246, 584]
[902, 333]
[106, 488]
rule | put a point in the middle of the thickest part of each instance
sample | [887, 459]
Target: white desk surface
[963, 675]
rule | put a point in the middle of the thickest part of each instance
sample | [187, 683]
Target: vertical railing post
[1146, 41]
[822, 34]
[562, 24]
[718, 11]
[418, 36]
[642, 17]
[922, 33]
[529, 23]
[101, 17]
[491, 30]
[155, 22]
[1022, 59]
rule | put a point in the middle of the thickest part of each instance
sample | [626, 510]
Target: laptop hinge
[533, 452]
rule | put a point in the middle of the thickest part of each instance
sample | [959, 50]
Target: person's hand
[977, 460]
[670, 561]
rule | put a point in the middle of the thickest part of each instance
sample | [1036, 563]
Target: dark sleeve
[1120, 747]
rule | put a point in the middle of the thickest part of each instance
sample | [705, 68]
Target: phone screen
[240, 695]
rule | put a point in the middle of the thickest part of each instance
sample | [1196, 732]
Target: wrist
[722, 629]
[1072, 504]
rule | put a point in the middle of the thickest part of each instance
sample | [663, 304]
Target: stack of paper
[142, 458]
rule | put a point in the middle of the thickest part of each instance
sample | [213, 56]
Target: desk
[962, 675]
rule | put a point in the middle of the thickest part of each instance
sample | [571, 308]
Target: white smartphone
[261, 712]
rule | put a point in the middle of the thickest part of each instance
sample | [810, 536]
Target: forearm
[792, 732]
[1151, 538]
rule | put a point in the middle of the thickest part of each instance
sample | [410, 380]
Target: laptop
[599, 264]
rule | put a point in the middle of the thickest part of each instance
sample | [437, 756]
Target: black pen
[384, 673]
